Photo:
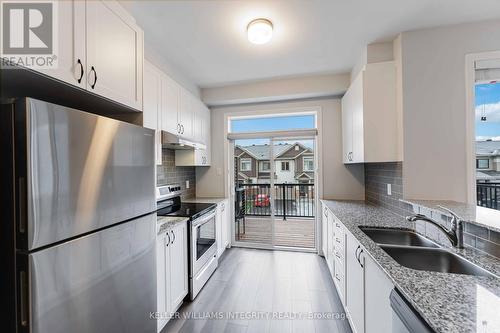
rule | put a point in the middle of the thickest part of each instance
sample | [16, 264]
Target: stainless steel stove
[201, 237]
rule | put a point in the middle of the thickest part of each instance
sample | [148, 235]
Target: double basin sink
[412, 250]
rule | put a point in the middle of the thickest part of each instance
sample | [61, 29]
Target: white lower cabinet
[378, 287]
[355, 284]
[222, 219]
[363, 287]
[324, 231]
[171, 271]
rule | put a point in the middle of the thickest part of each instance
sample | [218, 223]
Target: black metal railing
[488, 195]
[292, 200]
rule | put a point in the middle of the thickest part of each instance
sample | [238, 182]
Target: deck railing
[290, 200]
[488, 195]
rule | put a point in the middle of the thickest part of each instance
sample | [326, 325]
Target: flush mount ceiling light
[260, 31]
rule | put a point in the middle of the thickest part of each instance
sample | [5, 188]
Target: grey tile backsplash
[168, 173]
[378, 175]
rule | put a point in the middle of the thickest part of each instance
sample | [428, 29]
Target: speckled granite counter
[482, 216]
[447, 302]
[205, 200]
[168, 222]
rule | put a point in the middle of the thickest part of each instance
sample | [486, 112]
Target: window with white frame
[308, 164]
[265, 166]
[285, 166]
[245, 164]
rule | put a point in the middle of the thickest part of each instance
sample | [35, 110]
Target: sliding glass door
[274, 182]
[294, 193]
[253, 197]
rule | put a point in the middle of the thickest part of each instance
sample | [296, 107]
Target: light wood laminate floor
[264, 283]
[293, 232]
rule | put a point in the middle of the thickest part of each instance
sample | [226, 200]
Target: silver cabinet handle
[173, 235]
[182, 129]
[168, 235]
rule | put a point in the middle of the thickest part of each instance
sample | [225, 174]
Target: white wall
[283, 176]
[338, 181]
[434, 107]
[284, 89]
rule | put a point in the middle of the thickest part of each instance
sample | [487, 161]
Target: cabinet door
[355, 285]
[198, 122]
[170, 106]
[218, 228]
[378, 287]
[162, 278]
[71, 57]
[207, 136]
[178, 265]
[151, 115]
[347, 127]
[324, 232]
[225, 224]
[114, 53]
[186, 114]
[358, 150]
[330, 255]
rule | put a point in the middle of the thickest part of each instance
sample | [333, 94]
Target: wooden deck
[294, 232]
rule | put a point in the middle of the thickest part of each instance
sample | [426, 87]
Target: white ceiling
[206, 40]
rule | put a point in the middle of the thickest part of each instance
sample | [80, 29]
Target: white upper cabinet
[186, 110]
[114, 53]
[370, 116]
[71, 56]
[100, 49]
[170, 109]
[152, 109]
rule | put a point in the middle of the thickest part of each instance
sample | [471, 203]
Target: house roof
[261, 152]
[488, 148]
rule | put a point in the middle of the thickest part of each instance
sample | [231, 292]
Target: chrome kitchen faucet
[455, 234]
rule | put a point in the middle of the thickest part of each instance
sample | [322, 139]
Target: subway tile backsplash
[168, 173]
[378, 175]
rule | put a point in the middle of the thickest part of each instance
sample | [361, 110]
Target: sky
[488, 104]
[272, 124]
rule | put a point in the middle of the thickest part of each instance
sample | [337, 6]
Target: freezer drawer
[77, 172]
[102, 282]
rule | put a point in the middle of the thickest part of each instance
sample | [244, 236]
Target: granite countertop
[482, 216]
[168, 222]
[447, 302]
[205, 200]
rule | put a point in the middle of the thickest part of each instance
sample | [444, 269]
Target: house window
[483, 163]
[265, 166]
[285, 166]
[245, 164]
[308, 164]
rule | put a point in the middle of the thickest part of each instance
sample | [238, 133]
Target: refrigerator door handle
[23, 295]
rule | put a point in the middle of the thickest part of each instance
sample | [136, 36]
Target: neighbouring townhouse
[294, 163]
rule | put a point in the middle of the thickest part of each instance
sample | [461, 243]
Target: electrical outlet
[389, 189]
[187, 183]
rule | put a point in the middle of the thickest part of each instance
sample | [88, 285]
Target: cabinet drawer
[338, 279]
[338, 255]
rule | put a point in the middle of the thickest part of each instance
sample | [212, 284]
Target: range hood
[173, 141]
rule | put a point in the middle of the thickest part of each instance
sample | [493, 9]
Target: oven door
[203, 242]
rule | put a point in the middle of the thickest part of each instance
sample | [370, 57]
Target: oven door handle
[203, 219]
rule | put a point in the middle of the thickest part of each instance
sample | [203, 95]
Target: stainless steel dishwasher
[404, 317]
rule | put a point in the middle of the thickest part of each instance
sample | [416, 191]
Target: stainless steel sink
[433, 259]
[397, 237]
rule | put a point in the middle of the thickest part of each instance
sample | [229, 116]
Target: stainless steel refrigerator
[79, 221]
